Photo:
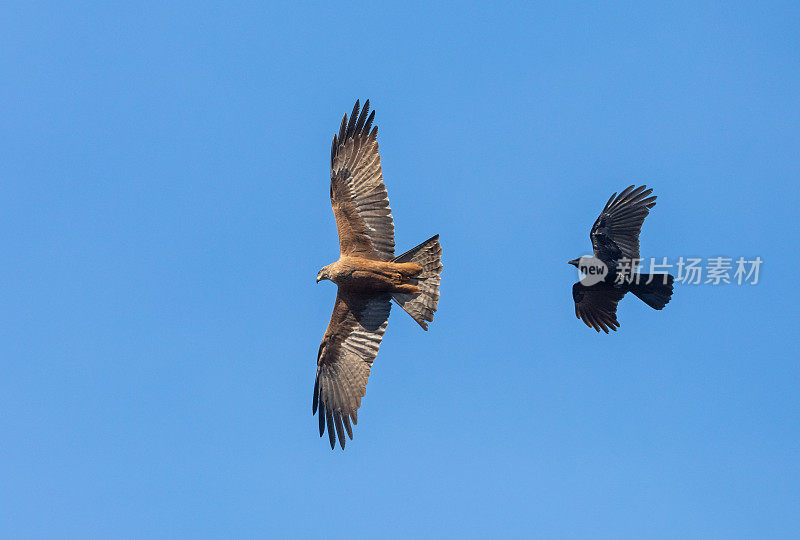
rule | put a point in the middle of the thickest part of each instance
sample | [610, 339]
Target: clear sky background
[164, 210]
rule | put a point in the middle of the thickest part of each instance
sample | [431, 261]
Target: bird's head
[574, 262]
[323, 274]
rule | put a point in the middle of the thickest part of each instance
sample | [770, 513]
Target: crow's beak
[574, 262]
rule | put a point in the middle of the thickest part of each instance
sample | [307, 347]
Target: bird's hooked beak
[318, 279]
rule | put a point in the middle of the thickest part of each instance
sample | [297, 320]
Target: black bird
[615, 240]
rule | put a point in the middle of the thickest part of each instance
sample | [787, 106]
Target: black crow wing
[615, 233]
[596, 305]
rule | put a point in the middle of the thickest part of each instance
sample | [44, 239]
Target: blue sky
[165, 210]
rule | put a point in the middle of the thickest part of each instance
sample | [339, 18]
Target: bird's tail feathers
[657, 293]
[422, 305]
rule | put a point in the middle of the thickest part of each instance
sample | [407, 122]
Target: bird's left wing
[345, 357]
[596, 305]
[615, 233]
[358, 196]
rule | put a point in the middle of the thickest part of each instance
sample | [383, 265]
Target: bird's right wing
[615, 233]
[596, 305]
[345, 357]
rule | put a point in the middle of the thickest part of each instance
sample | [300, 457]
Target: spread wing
[597, 305]
[345, 357]
[358, 195]
[615, 233]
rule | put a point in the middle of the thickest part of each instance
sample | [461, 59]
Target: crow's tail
[655, 294]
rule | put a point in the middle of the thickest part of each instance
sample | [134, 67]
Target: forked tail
[421, 306]
[655, 294]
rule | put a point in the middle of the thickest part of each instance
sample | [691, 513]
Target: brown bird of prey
[615, 240]
[368, 276]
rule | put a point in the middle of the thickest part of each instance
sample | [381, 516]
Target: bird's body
[368, 276]
[358, 274]
[615, 243]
